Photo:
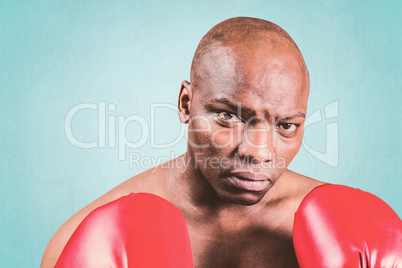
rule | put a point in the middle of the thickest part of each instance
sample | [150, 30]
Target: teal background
[57, 54]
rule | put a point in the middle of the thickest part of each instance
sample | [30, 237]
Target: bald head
[235, 41]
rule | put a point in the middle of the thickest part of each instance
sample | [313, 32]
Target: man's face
[246, 119]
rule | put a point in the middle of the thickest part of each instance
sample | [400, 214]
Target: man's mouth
[250, 181]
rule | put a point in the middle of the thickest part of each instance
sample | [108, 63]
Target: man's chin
[245, 199]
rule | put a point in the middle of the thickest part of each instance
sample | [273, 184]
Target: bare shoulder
[297, 188]
[143, 182]
[299, 185]
[285, 197]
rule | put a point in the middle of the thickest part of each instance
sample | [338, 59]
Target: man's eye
[288, 127]
[228, 117]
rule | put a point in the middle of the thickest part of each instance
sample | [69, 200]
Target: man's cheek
[297, 144]
[195, 142]
[199, 132]
[222, 138]
[199, 138]
[287, 150]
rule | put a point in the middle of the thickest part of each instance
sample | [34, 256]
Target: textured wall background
[121, 57]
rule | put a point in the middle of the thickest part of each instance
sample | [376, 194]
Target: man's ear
[184, 104]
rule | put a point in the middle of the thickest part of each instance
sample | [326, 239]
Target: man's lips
[249, 181]
[251, 176]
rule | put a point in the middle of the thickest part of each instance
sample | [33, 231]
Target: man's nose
[257, 144]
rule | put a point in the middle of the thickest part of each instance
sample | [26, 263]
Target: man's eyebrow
[248, 112]
[303, 115]
[235, 107]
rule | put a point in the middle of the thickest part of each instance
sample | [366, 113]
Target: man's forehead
[240, 49]
[242, 64]
[218, 66]
[234, 52]
[271, 79]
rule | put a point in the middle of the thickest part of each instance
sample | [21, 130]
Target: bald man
[245, 108]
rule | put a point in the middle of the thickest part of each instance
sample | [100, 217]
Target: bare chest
[248, 248]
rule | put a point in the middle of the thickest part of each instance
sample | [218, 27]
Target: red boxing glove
[339, 226]
[137, 230]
